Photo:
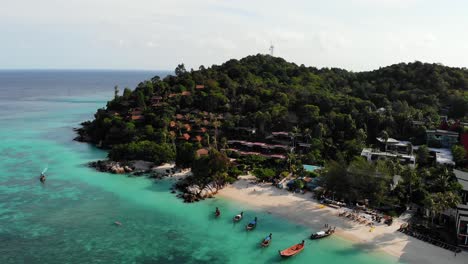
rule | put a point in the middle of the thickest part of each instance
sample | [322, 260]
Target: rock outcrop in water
[194, 193]
[112, 166]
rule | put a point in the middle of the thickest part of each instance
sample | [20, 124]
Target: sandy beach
[301, 208]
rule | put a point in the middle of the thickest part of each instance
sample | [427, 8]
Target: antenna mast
[272, 48]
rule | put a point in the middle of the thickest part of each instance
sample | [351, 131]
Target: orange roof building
[186, 93]
[202, 152]
[137, 117]
[199, 86]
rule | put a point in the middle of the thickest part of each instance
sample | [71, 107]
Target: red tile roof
[186, 93]
[200, 86]
[186, 136]
[202, 152]
[172, 124]
[137, 117]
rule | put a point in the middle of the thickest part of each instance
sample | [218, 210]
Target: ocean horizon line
[79, 70]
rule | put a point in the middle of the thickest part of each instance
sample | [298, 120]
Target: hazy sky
[157, 35]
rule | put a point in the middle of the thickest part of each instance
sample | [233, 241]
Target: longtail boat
[322, 234]
[266, 241]
[251, 225]
[292, 251]
[238, 217]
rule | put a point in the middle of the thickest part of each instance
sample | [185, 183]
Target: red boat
[292, 251]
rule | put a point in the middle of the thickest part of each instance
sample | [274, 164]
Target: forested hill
[335, 110]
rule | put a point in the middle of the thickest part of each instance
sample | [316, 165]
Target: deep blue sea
[69, 219]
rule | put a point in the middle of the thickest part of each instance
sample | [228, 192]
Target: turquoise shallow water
[70, 218]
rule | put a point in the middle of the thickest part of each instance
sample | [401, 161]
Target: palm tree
[384, 136]
[308, 134]
[442, 180]
[172, 136]
[290, 159]
[179, 127]
[296, 131]
[216, 124]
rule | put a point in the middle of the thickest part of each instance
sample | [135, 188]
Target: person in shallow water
[42, 178]
[217, 212]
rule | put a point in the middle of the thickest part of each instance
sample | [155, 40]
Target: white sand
[162, 169]
[301, 208]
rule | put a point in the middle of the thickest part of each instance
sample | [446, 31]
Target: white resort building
[461, 217]
[393, 149]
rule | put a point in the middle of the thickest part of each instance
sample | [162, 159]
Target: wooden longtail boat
[292, 251]
[266, 241]
[251, 225]
[322, 234]
[238, 217]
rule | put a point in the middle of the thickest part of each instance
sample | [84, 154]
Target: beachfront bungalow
[441, 138]
[302, 147]
[245, 153]
[461, 216]
[258, 147]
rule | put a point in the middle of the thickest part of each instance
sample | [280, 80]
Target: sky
[357, 35]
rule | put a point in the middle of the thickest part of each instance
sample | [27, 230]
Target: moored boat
[238, 217]
[266, 241]
[322, 234]
[292, 251]
[251, 225]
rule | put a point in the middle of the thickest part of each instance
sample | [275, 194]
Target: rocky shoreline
[189, 193]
